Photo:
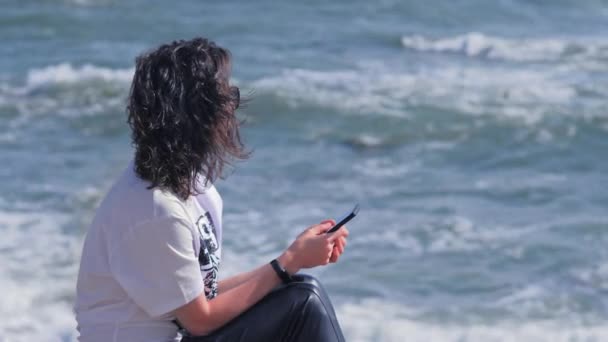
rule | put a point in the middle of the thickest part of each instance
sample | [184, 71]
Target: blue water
[473, 133]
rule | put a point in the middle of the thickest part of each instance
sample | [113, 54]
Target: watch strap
[281, 272]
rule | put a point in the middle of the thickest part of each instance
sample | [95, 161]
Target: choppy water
[473, 133]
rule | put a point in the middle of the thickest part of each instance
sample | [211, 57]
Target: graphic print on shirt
[208, 257]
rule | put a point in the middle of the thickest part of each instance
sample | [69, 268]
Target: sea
[472, 133]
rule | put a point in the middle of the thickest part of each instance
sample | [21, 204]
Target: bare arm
[312, 248]
[202, 316]
[229, 283]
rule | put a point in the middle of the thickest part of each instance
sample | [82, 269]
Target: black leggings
[297, 312]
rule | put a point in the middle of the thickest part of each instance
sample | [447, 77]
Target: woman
[149, 267]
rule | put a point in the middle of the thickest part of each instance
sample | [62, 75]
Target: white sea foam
[66, 90]
[367, 140]
[522, 94]
[453, 234]
[38, 267]
[343, 88]
[384, 167]
[595, 276]
[87, 3]
[381, 320]
[66, 73]
[477, 44]
[460, 233]
[371, 87]
[41, 262]
[534, 299]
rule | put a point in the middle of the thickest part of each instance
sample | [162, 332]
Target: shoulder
[130, 203]
[167, 223]
[207, 191]
[166, 204]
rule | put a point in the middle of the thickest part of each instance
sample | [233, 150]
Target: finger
[340, 246]
[339, 250]
[346, 231]
[320, 228]
[330, 221]
[338, 233]
[334, 257]
[331, 254]
[337, 247]
[329, 248]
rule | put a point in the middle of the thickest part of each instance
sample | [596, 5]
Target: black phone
[349, 216]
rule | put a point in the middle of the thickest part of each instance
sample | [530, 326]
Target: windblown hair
[181, 110]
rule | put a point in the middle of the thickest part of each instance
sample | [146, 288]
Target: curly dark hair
[181, 110]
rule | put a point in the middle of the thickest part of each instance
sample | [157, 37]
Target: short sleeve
[157, 266]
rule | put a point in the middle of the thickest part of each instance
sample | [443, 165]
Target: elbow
[199, 325]
[196, 317]
[199, 330]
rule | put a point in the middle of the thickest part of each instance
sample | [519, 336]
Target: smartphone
[349, 216]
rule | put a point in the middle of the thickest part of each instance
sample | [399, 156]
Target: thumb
[321, 227]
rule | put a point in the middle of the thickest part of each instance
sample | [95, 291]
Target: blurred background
[473, 133]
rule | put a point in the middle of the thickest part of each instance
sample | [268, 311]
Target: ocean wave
[369, 88]
[36, 254]
[67, 90]
[475, 44]
[89, 3]
[367, 141]
[361, 322]
[66, 73]
[523, 94]
[385, 167]
[462, 234]
[595, 276]
[432, 236]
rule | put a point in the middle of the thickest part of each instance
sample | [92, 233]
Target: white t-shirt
[146, 254]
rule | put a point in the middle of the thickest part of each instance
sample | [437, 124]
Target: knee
[306, 279]
[309, 284]
[308, 299]
[308, 291]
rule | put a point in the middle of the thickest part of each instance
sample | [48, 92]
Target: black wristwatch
[281, 272]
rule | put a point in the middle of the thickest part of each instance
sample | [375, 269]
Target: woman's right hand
[312, 248]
